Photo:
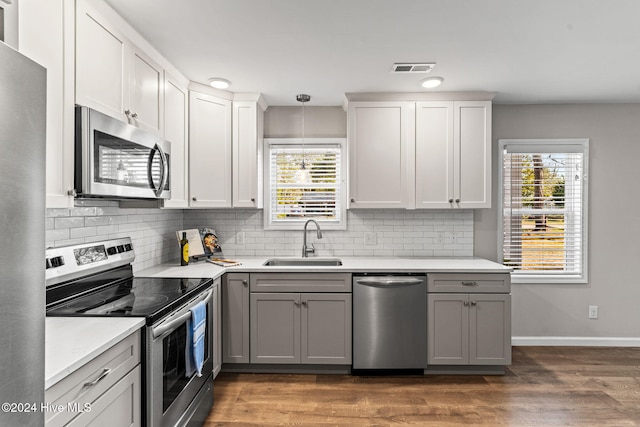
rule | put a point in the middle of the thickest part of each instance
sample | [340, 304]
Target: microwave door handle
[163, 170]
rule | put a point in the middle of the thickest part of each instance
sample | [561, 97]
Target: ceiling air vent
[423, 67]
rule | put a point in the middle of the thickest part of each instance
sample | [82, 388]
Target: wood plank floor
[545, 386]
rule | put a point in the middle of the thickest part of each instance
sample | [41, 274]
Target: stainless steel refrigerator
[22, 228]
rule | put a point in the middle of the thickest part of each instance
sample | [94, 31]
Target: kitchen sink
[303, 262]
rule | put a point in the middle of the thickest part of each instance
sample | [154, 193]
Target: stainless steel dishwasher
[389, 322]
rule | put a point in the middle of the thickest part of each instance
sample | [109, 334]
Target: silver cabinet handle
[474, 302]
[127, 112]
[134, 115]
[72, 192]
[465, 303]
[304, 303]
[297, 303]
[102, 376]
[245, 283]
[469, 283]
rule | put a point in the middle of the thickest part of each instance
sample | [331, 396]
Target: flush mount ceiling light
[431, 82]
[219, 83]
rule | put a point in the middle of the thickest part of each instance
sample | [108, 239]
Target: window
[543, 209]
[304, 181]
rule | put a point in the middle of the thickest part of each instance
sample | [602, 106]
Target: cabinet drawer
[469, 282]
[300, 282]
[92, 380]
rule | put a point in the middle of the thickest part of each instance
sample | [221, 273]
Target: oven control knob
[112, 250]
[57, 261]
[128, 247]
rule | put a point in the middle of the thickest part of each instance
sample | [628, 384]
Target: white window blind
[544, 210]
[298, 193]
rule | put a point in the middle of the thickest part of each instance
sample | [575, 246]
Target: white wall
[614, 224]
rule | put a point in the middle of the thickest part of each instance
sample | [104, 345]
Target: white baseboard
[576, 341]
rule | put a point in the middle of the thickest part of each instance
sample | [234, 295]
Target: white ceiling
[527, 51]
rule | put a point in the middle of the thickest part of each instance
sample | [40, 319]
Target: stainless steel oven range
[96, 279]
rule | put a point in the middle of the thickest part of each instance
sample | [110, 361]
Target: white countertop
[203, 268]
[71, 342]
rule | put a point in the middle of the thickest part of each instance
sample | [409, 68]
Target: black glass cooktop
[111, 294]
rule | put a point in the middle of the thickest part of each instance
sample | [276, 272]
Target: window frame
[297, 224]
[558, 145]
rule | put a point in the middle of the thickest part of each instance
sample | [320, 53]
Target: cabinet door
[448, 329]
[145, 93]
[235, 318]
[381, 141]
[217, 328]
[209, 151]
[119, 406]
[275, 328]
[55, 52]
[175, 131]
[326, 329]
[102, 64]
[472, 133]
[490, 329]
[434, 155]
[247, 142]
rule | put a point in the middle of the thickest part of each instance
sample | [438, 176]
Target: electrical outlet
[593, 312]
[369, 238]
[240, 238]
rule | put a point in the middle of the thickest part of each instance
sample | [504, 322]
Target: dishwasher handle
[388, 281]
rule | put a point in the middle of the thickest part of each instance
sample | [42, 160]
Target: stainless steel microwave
[117, 160]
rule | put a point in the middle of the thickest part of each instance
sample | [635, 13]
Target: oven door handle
[179, 318]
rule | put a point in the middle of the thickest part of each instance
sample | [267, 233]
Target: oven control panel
[69, 262]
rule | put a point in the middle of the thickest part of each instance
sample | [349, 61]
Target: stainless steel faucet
[306, 250]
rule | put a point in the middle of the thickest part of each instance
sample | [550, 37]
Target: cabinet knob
[127, 112]
[253, 199]
[450, 200]
[474, 302]
[465, 303]
[304, 303]
[194, 199]
[72, 192]
[457, 200]
[353, 200]
[134, 115]
[297, 303]
[245, 283]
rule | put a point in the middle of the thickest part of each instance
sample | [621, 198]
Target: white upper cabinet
[381, 140]
[176, 102]
[55, 53]
[248, 125]
[113, 75]
[209, 151]
[425, 154]
[453, 154]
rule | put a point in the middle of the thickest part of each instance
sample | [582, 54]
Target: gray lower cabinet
[301, 328]
[235, 318]
[104, 391]
[465, 328]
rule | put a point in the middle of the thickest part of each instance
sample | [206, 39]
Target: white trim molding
[577, 341]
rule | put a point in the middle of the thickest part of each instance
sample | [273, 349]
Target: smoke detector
[422, 67]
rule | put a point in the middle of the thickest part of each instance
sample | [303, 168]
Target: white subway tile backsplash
[398, 233]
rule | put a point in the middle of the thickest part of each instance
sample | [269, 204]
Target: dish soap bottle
[184, 250]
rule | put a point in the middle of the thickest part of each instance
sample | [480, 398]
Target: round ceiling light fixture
[219, 83]
[431, 82]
